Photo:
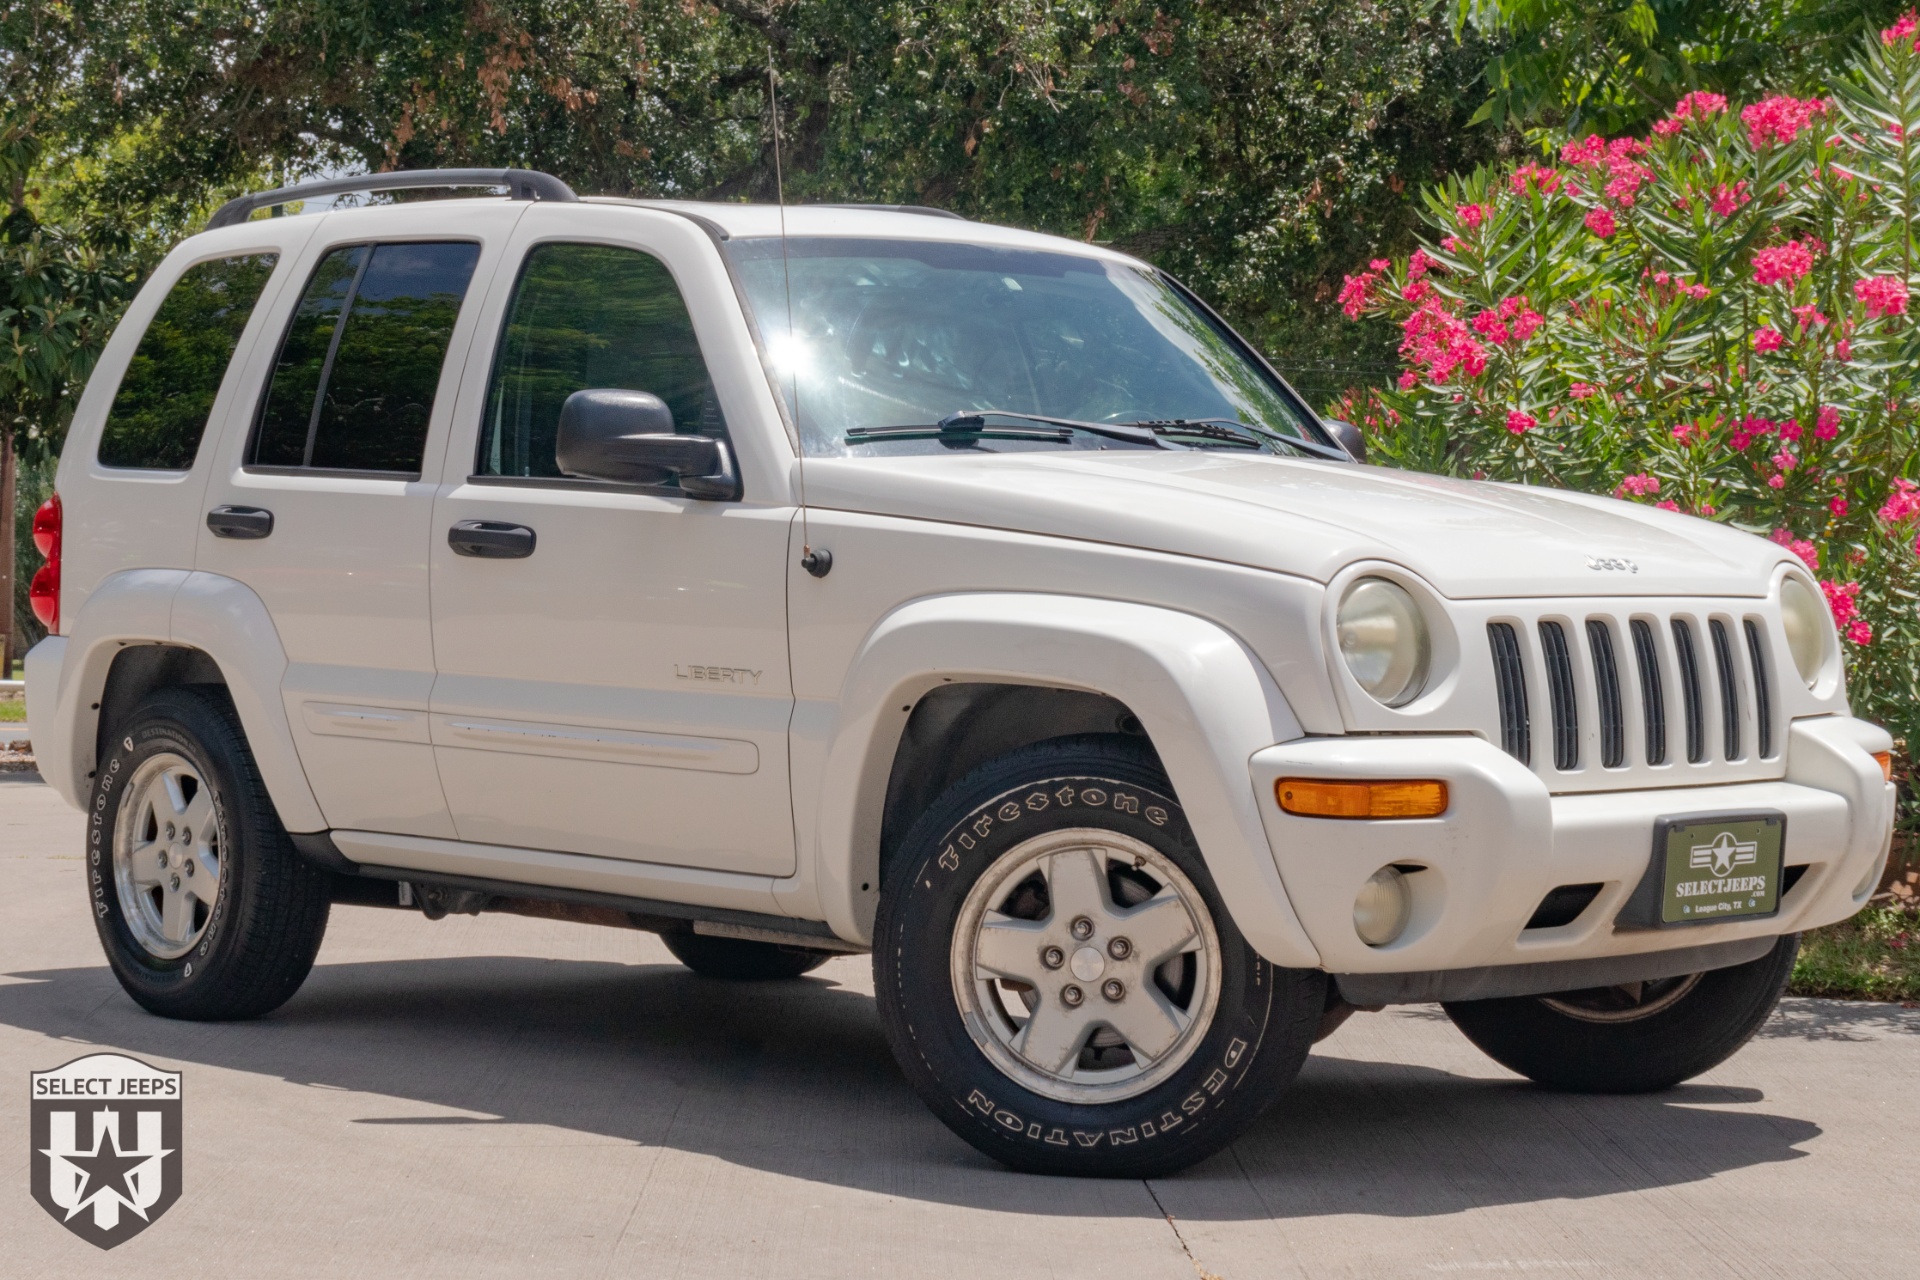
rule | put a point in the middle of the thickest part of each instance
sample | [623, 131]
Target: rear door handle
[240, 522]
[491, 540]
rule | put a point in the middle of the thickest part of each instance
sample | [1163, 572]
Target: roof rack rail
[521, 184]
[926, 210]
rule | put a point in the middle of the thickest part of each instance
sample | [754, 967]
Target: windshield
[905, 333]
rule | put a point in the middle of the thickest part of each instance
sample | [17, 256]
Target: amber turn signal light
[1886, 764]
[1325, 798]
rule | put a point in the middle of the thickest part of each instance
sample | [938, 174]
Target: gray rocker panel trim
[1498, 982]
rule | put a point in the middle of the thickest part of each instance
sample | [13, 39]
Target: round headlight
[1383, 638]
[1806, 622]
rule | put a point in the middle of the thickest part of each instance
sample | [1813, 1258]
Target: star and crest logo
[1723, 854]
[105, 1145]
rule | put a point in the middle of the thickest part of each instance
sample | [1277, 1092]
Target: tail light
[44, 593]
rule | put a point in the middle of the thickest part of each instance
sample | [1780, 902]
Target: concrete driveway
[510, 1097]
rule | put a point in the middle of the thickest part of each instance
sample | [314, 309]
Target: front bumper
[1505, 842]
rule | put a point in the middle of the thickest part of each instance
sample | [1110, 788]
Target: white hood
[1309, 518]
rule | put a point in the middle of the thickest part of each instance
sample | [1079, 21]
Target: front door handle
[240, 522]
[491, 540]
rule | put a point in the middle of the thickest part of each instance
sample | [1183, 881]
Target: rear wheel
[740, 959]
[203, 907]
[1060, 981]
[1633, 1038]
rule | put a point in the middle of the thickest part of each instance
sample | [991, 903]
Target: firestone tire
[1615, 1041]
[740, 959]
[1080, 837]
[203, 908]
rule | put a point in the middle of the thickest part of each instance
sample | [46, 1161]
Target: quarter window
[160, 411]
[585, 316]
[354, 383]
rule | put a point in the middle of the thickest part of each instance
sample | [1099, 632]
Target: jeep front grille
[1703, 666]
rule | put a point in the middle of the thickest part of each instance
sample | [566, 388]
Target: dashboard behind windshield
[904, 333]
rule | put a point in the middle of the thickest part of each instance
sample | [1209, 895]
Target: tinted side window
[583, 316]
[354, 385]
[160, 411]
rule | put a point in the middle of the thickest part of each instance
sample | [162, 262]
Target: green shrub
[1712, 319]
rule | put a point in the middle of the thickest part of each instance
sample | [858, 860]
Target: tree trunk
[7, 566]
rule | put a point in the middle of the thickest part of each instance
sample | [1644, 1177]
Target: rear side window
[354, 383]
[160, 411]
[584, 316]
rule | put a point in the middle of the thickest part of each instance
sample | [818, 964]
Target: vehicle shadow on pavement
[796, 1079]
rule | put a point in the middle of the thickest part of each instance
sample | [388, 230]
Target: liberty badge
[105, 1145]
[1724, 854]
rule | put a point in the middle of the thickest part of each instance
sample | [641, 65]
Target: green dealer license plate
[1719, 867]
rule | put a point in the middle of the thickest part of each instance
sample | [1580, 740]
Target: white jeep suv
[847, 579]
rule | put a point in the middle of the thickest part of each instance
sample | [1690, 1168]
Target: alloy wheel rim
[168, 863]
[1627, 1002]
[1086, 966]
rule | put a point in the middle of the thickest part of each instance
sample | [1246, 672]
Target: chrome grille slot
[1690, 702]
[1762, 694]
[1606, 679]
[1653, 697]
[1510, 680]
[1560, 695]
[1729, 688]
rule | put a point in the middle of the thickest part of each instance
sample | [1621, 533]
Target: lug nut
[163, 857]
[1053, 957]
[1083, 928]
[1113, 990]
[176, 882]
[1071, 996]
[1120, 948]
[186, 835]
[189, 866]
[169, 831]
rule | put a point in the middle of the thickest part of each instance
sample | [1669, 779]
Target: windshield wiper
[1231, 429]
[971, 424]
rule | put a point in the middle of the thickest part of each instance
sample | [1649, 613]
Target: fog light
[1383, 907]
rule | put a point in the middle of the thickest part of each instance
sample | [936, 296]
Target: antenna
[817, 563]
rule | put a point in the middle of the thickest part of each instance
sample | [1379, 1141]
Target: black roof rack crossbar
[521, 184]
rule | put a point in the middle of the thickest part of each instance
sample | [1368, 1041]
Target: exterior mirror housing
[1348, 437]
[627, 437]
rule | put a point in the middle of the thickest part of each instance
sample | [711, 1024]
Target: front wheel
[1060, 981]
[1633, 1038]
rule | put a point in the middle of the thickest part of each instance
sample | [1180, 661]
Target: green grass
[1874, 956]
[12, 710]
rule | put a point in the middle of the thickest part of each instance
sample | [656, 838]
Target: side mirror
[1348, 437]
[627, 437]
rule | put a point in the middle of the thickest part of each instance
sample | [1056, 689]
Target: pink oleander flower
[1844, 599]
[1588, 152]
[1827, 425]
[1452, 244]
[1785, 459]
[1843, 350]
[1626, 181]
[1408, 380]
[1726, 200]
[1667, 504]
[1544, 180]
[1901, 29]
[1767, 338]
[1839, 506]
[1520, 423]
[1470, 215]
[1776, 482]
[1684, 433]
[1581, 390]
[1790, 430]
[1903, 504]
[1417, 290]
[1637, 486]
[1799, 546]
[1882, 295]
[1600, 222]
[1809, 316]
[1380, 264]
[1780, 118]
[1419, 264]
[1487, 324]
[1527, 323]
[1860, 631]
[1353, 293]
[1786, 262]
[1699, 105]
[1435, 340]
[1706, 510]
